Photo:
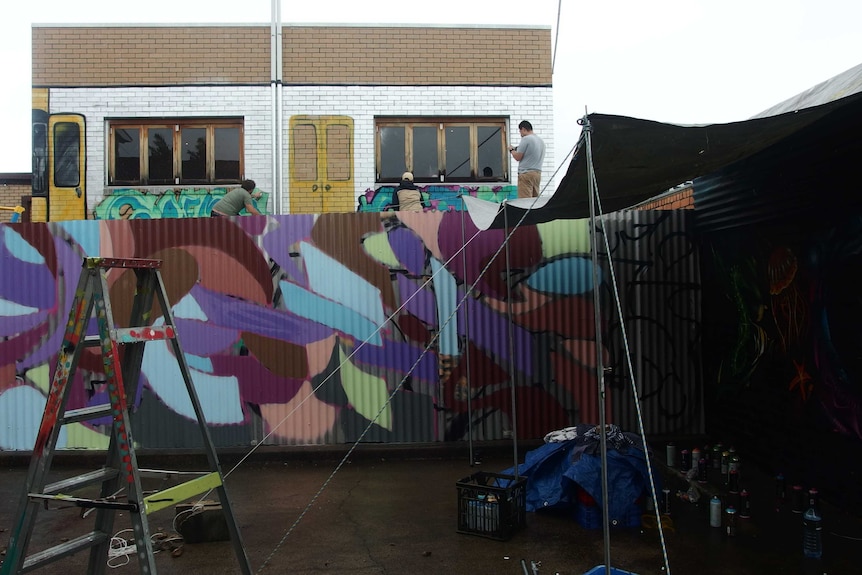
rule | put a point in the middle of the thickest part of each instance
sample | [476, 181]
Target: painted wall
[345, 327]
[130, 203]
[253, 103]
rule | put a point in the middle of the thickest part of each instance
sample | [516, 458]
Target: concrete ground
[392, 510]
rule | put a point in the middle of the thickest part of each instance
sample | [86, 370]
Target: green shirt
[233, 202]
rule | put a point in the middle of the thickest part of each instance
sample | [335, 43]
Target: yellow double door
[321, 164]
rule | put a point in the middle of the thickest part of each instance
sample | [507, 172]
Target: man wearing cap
[409, 196]
[529, 153]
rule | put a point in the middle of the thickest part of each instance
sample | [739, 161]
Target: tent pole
[467, 336]
[597, 308]
[511, 339]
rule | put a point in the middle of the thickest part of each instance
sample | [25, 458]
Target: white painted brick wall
[253, 103]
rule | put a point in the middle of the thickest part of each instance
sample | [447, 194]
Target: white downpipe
[275, 48]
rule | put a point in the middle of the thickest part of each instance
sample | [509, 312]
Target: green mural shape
[564, 237]
[366, 393]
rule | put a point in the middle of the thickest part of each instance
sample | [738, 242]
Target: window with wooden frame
[441, 149]
[173, 152]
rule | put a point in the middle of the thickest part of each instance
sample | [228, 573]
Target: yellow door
[321, 164]
[67, 197]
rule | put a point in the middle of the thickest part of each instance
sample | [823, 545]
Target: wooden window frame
[176, 125]
[442, 122]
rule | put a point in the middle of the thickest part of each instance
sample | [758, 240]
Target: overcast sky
[680, 61]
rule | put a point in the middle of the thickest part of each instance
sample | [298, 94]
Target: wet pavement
[392, 510]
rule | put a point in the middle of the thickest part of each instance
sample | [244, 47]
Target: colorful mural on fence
[129, 203]
[316, 329]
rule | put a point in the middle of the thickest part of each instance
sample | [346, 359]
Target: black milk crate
[492, 505]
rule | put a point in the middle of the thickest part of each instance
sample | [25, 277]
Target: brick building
[13, 188]
[185, 112]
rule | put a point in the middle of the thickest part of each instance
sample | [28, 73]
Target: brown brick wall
[176, 55]
[681, 200]
[411, 56]
[127, 56]
[10, 196]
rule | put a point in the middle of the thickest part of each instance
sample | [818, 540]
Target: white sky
[680, 61]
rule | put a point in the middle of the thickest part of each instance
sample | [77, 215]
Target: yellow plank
[181, 492]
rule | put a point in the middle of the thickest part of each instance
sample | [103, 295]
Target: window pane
[160, 144]
[127, 155]
[40, 159]
[490, 151]
[194, 158]
[425, 161]
[66, 154]
[303, 144]
[338, 152]
[392, 144]
[227, 154]
[457, 152]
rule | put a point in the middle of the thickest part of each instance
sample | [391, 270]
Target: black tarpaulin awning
[636, 159]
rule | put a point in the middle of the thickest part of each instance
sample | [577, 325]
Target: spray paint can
[686, 460]
[725, 463]
[671, 454]
[733, 481]
[665, 501]
[716, 456]
[701, 471]
[695, 456]
[744, 505]
[715, 511]
[780, 491]
[707, 454]
[814, 500]
[733, 464]
[730, 521]
[797, 499]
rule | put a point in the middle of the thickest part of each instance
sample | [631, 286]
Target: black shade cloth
[636, 159]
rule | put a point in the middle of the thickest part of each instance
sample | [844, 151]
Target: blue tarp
[554, 470]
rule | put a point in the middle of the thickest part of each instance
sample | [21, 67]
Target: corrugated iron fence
[365, 326]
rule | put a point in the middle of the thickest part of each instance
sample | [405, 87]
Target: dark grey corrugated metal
[657, 271]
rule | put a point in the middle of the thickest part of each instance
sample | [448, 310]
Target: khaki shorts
[528, 184]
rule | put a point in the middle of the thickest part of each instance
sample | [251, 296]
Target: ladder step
[82, 502]
[86, 413]
[181, 492]
[73, 483]
[135, 263]
[149, 333]
[65, 549]
[92, 341]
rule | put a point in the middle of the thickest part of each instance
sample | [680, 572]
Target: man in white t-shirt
[529, 153]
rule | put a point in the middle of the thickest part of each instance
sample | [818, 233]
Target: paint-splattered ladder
[121, 474]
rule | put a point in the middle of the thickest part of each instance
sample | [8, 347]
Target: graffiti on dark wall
[316, 329]
[797, 311]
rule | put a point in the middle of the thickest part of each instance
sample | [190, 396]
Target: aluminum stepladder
[120, 473]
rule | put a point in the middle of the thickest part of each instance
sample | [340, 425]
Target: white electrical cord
[120, 549]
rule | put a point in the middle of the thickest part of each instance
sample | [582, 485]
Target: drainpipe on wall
[276, 89]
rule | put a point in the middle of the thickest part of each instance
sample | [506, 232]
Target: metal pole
[467, 336]
[276, 75]
[600, 371]
[511, 340]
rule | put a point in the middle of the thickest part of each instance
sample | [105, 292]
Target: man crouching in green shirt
[235, 200]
